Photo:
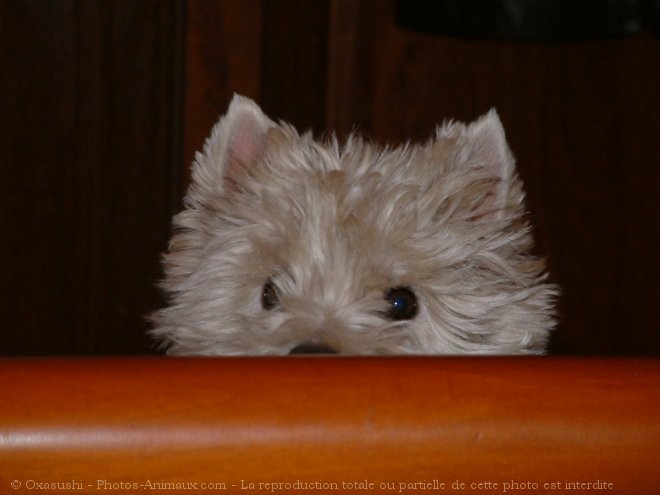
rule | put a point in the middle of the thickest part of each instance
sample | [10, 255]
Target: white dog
[292, 245]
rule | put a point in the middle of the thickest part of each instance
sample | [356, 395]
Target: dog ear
[486, 151]
[236, 142]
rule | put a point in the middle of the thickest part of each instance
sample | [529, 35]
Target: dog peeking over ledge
[290, 245]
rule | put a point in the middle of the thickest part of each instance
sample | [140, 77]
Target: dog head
[289, 244]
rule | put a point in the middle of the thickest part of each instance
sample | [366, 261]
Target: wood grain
[222, 47]
[294, 62]
[397, 420]
[89, 170]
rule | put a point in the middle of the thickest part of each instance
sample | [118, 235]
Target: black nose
[308, 348]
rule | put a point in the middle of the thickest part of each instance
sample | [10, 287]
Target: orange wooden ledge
[330, 425]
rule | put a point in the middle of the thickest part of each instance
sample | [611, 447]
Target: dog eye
[269, 298]
[403, 303]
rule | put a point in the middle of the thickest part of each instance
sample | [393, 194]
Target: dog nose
[309, 348]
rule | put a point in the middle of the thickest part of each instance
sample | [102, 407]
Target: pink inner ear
[245, 146]
[490, 151]
[494, 162]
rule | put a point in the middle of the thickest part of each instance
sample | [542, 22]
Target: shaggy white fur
[288, 244]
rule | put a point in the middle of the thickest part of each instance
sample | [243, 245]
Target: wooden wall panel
[89, 167]
[352, 53]
[294, 62]
[222, 47]
[103, 105]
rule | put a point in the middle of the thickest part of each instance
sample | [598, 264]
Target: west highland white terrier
[291, 245]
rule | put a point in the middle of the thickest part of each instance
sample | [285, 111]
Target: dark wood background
[103, 103]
